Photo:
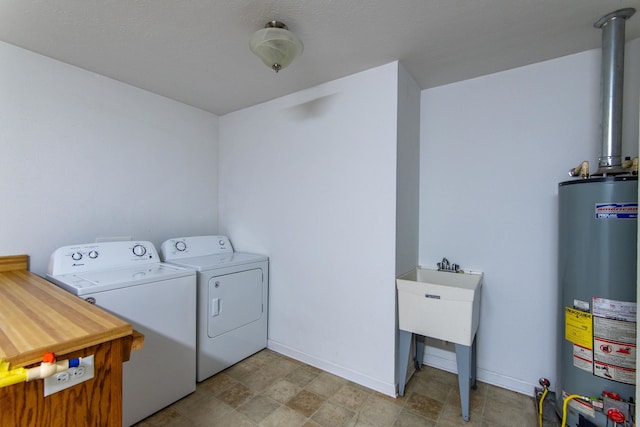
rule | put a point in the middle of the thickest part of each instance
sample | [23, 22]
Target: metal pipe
[612, 77]
[47, 368]
[581, 170]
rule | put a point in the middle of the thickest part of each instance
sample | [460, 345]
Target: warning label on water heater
[578, 327]
[583, 358]
[616, 210]
[614, 340]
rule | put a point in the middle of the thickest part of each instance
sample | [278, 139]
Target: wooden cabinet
[96, 402]
[38, 317]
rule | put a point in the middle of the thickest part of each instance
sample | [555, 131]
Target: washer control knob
[76, 256]
[181, 246]
[93, 254]
[139, 250]
[221, 242]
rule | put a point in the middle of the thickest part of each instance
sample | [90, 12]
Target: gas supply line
[545, 383]
[47, 368]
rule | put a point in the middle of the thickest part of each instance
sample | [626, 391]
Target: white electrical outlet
[70, 377]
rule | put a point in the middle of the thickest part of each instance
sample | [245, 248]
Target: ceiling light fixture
[275, 45]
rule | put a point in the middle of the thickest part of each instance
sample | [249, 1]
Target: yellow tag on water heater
[578, 327]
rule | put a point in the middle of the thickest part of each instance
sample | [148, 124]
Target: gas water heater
[597, 267]
[597, 277]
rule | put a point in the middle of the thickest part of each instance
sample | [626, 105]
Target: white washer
[232, 299]
[158, 300]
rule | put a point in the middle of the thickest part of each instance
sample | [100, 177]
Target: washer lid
[104, 280]
[211, 262]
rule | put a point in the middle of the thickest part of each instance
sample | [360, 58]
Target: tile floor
[271, 390]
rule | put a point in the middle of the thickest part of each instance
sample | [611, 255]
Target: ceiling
[196, 51]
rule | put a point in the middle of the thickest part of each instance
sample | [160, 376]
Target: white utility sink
[439, 304]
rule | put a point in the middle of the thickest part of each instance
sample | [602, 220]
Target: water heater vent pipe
[612, 25]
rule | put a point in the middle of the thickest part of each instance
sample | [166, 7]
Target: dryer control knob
[139, 250]
[93, 254]
[181, 246]
[76, 256]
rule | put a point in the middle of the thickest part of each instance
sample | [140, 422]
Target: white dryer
[158, 300]
[233, 293]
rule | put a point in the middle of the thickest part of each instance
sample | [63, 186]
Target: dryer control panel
[195, 246]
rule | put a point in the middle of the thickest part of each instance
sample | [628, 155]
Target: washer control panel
[101, 256]
[188, 247]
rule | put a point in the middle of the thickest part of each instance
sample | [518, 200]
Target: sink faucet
[445, 265]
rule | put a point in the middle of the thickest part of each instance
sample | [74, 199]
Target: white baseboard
[358, 378]
[446, 360]
[434, 357]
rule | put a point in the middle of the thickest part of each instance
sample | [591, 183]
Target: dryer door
[235, 300]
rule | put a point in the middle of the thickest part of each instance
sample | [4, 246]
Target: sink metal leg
[403, 359]
[463, 360]
[474, 354]
[419, 351]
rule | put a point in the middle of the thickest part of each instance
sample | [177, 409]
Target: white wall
[493, 152]
[407, 181]
[310, 180]
[83, 156]
[408, 173]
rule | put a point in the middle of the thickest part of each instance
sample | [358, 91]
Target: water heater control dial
[139, 250]
[181, 246]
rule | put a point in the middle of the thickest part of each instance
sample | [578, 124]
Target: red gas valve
[615, 415]
[611, 395]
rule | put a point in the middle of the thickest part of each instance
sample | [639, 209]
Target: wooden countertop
[37, 317]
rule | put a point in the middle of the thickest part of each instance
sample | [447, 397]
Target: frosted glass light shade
[275, 45]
